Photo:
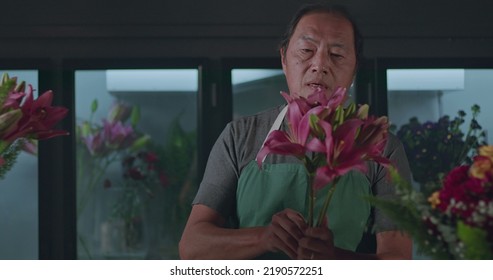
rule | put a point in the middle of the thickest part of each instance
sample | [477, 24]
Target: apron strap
[276, 125]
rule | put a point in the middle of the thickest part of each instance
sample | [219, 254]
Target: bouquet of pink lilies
[329, 138]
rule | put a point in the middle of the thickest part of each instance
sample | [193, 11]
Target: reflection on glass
[19, 196]
[136, 161]
[255, 90]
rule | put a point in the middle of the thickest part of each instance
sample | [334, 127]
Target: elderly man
[241, 212]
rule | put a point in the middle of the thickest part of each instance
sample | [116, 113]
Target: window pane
[136, 176]
[255, 90]
[429, 95]
[19, 196]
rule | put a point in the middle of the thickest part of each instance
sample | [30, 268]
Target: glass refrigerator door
[19, 195]
[136, 161]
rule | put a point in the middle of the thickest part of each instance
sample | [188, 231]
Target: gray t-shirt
[239, 144]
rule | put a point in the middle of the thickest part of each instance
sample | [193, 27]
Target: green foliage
[181, 147]
[10, 156]
[171, 180]
[407, 212]
[474, 239]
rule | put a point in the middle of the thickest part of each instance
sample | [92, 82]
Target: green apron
[263, 193]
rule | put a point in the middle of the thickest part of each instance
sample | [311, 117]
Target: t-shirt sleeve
[217, 189]
[383, 187]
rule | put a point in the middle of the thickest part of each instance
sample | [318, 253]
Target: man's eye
[306, 50]
[336, 55]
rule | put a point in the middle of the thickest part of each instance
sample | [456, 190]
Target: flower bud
[20, 87]
[140, 143]
[119, 112]
[8, 121]
[363, 112]
[85, 129]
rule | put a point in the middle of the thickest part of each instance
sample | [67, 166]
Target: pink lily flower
[294, 141]
[38, 118]
[349, 147]
[337, 98]
[95, 144]
[13, 100]
[291, 142]
[117, 136]
[341, 154]
[373, 138]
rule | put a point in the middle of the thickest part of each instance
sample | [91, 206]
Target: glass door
[433, 101]
[256, 90]
[136, 152]
[19, 194]
[435, 107]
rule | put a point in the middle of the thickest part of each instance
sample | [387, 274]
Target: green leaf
[135, 116]
[406, 211]
[94, 106]
[10, 156]
[475, 241]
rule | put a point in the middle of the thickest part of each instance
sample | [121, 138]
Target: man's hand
[284, 232]
[317, 244]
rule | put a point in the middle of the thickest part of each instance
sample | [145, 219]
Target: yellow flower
[486, 151]
[434, 200]
[481, 166]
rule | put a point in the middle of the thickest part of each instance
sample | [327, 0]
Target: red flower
[135, 174]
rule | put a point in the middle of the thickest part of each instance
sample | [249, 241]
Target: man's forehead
[337, 37]
[324, 22]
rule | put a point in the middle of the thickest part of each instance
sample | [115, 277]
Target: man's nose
[320, 63]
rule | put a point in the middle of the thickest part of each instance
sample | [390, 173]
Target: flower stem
[310, 200]
[321, 215]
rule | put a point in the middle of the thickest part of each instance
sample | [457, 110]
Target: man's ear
[283, 59]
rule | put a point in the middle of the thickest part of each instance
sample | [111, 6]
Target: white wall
[478, 90]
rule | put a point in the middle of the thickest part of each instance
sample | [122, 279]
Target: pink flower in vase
[95, 144]
[117, 136]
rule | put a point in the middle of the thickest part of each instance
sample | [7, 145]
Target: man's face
[320, 55]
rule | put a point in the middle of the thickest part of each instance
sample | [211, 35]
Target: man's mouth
[317, 87]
